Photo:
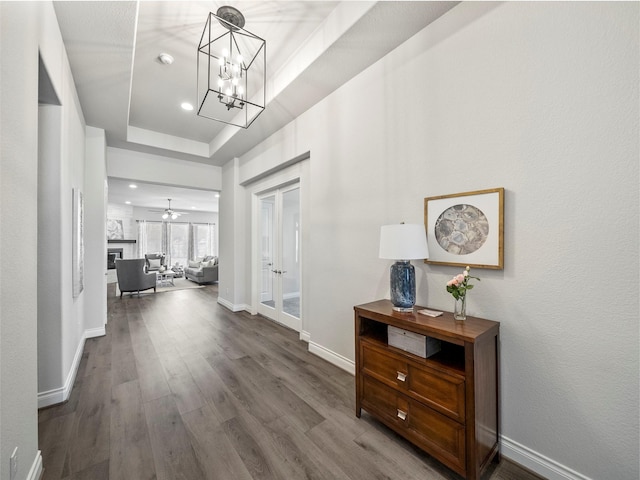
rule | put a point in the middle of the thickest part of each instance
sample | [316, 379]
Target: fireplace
[112, 254]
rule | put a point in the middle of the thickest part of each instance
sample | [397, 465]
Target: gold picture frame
[466, 229]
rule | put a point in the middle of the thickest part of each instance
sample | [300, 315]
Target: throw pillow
[154, 263]
[194, 264]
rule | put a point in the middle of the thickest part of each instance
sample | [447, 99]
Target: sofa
[202, 270]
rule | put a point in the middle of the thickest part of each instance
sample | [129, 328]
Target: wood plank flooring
[181, 388]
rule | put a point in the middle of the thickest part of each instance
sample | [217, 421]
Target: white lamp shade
[403, 241]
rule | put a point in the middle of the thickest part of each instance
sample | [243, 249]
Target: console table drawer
[443, 392]
[440, 391]
[386, 368]
[437, 434]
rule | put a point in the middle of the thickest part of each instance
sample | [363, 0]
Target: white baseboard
[305, 336]
[95, 332]
[537, 463]
[36, 467]
[59, 395]
[332, 357]
[234, 308]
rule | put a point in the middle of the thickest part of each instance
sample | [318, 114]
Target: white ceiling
[156, 196]
[313, 47]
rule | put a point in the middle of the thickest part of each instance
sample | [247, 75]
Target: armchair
[153, 261]
[132, 277]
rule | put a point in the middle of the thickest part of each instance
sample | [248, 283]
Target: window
[178, 243]
[204, 240]
[150, 238]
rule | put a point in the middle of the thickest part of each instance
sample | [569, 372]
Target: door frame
[297, 172]
[277, 312]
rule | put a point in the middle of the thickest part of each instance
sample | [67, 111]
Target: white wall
[232, 291]
[61, 317]
[150, 168]
[19, 30]
[538, 98]
[96, 232]
[31, 253]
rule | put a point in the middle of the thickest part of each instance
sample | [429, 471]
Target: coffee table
[165, 279]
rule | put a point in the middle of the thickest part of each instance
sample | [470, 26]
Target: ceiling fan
[169, 212]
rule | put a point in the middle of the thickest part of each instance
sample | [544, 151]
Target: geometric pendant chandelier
[231, 70]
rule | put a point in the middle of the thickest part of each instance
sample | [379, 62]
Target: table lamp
[403, 242]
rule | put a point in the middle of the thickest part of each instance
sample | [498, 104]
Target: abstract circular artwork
[461, 229]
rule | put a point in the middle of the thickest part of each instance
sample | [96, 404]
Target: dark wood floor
[181, 388]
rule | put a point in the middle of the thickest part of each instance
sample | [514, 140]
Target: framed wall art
[78, 243]
[115, 229]
[466, 229]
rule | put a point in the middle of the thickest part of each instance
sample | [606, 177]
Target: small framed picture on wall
[466, 229]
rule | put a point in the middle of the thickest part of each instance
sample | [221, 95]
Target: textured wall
[18, 233]
[95, 316]
[538, 98]
[164, 170]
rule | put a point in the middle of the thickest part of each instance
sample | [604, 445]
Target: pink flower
[460, 278]
[451, 282]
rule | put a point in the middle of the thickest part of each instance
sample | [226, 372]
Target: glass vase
[460, 308]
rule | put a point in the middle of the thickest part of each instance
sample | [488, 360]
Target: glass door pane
[267, 230]
[290, 248]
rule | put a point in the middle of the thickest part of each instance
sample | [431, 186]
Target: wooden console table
[446, 404]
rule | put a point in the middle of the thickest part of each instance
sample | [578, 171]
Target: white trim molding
[35, 472]
[538, 463]
[332, 357]
[95, 332]
[305, 336]
[234, 308]
[59, 395]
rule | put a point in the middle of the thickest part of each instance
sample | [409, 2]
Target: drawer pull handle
[401, 376]
[402, 415]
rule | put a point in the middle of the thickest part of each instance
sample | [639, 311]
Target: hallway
[181, 388]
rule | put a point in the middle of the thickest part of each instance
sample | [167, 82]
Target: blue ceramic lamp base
[403, 286]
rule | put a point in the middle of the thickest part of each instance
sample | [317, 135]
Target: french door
[279, 256]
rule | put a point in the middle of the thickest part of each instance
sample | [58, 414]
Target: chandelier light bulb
[174, 216]
[165, 216]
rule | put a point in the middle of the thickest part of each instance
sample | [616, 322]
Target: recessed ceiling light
[165, 59]
[217, 195]
[128, 202]
[186, 106]
[193, 208]
[133, 185]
